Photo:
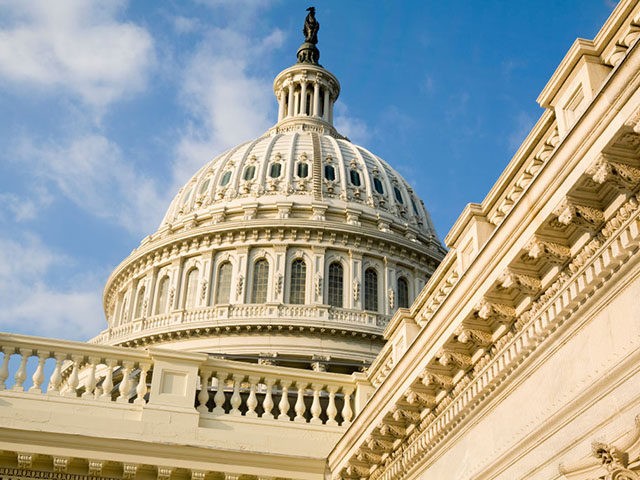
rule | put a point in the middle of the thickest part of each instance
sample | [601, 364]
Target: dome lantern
[306, 92]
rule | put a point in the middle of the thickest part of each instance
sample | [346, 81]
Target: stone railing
[72, 369]
[182, 380]
[234, 315]
[276, 393]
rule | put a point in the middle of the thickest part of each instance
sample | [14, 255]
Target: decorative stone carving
[240, 286]
[356, 290]
[25, 460]
[391, 297]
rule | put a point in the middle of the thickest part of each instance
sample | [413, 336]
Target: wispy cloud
[91, 172]
[352, 127]
[227, 101]
[30, 304]
[76, 45]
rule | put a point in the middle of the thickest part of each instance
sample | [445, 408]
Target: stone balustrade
[73, 369]
[181, 380]
[221, 316]
[275, 393]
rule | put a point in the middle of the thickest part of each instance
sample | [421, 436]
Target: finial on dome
[308, 52]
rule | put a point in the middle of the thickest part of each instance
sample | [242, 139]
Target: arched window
[336, 285]
[371, 290]
[260, 281]
[403, 293]
[191, 290]
[163, 289]
[123, 310]
[139, 303]
[415, 207]
[223, 284]
[298, 281]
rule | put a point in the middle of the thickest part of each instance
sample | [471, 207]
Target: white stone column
[296, 103]
[290, 106]
[325, 109]
[330, 113]
[316, 99]
[280, 105]
[303, 98]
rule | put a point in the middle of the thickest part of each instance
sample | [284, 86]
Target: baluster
[332, 411]
[219, 398]
[125, 387]
[284, 403]
[21, 373]
[267, 404]
[73, 380]
[236, 399]
[252, 401]
[56, 376]
[347, 413]
[107, 383]
[38, 375]
[90, 381]
[4, 370]
[141, 388]
[300, 407]
[316, 409]
[203, 395]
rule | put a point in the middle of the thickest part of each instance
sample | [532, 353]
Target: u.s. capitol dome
[295, 248]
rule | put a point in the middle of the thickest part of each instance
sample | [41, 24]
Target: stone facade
[519, 359]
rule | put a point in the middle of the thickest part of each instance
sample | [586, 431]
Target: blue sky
[108, 107]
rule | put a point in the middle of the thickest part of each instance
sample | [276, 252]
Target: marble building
[295, 315]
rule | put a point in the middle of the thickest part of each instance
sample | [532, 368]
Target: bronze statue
[311, 27]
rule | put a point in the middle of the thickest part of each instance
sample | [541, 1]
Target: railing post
[175, 378]
[363, 391]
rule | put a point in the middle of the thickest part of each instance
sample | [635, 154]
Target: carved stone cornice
[571, 287]
[583, 216]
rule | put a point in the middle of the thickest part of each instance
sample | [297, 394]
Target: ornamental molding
[608, 461]
[600, 260]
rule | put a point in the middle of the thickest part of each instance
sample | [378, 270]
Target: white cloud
[353, 128]
[91, 172]
[228, 102]
[77, 45]
[24, 208]
[30, 306]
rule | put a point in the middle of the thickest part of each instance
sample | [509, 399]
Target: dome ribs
[317, 167]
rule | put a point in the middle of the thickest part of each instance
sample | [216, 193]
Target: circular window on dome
[224, 181]
[398, 194]
[275, 170]
[302, 170]
[377, 185]
[329, 172]
[249, 173]
[354, 176]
